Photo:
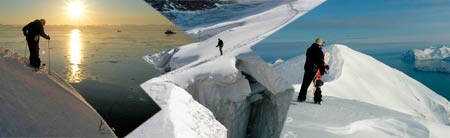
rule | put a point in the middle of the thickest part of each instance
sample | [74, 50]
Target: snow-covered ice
[428, 53]
[364, 97]
[37, 104]
[180, 116]
[344, 118]
[357, 76]
[239, 88]
[430, 59]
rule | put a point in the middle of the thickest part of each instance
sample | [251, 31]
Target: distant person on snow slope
[314, 62]
[220, 45]
[32, 31]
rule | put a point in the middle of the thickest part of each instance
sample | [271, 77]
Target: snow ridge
[238, 84]
[357, 76]
[38, 104]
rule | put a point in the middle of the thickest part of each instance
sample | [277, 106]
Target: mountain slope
[357, 76]
[337, 117]
[37, 104]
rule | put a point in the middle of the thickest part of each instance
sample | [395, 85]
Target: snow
[38, 104]
[364, 97]
[188, 20]
[337, 117]
[180, 116]
[239, 88]
[357, 76]
[238, 35]
[276, 62]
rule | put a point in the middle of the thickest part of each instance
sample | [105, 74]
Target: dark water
[104, 63]
[388, 53]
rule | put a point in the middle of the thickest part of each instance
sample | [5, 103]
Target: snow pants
[33, 46]
[220, 49]
[307, 80]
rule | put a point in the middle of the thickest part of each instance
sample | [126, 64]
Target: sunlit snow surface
[356, 84]
[42, 104]
[365, 98]
[216, 82]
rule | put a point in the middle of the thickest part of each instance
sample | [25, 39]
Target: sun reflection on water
[74, 74]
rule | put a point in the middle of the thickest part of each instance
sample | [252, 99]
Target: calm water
[105, 65]
[388, 53]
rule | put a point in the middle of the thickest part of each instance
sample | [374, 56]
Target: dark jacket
[314, 59]
[34, 29]
[220, 44]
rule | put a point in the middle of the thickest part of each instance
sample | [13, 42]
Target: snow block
[180, 116]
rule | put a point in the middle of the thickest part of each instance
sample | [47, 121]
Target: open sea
[104, 63]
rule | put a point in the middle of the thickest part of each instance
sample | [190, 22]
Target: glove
[48, 37]
[323, 72]
[319, 83]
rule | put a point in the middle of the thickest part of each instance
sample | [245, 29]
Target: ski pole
[48, 50]
[25, 51]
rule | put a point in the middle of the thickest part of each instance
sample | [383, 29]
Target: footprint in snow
[290, 134]
[289, 119]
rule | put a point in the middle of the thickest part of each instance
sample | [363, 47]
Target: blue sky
[372, 21]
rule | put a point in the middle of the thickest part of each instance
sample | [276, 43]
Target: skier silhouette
[220, 45]
[33, 31]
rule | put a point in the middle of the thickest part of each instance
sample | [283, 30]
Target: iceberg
[430, 59]
[431, 53]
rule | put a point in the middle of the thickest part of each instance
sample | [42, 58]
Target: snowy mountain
[37, 104]
[365, 98]
[360, 77]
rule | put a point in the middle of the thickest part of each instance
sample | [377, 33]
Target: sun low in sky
[80, 12]
[75, 9]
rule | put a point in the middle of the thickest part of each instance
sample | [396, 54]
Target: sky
[95, 12]
[372, 21]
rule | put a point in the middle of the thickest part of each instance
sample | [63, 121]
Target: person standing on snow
[32, 31]
[314, 62]
[220, 45]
